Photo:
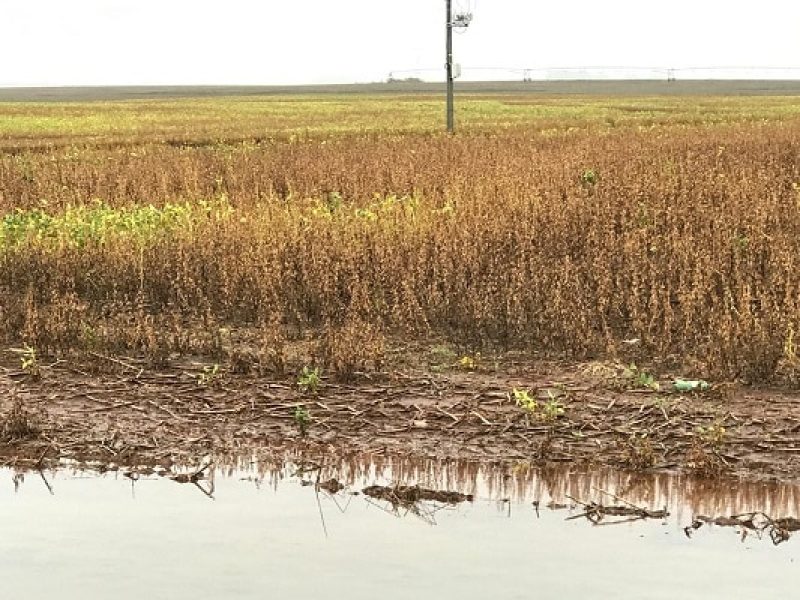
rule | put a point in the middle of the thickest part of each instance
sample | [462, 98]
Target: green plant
[713, 435]
[641, 379]
[30, 362]
[589, 177]
[209, 375]
[789, 346]
[330, 204]
[552, 408]
[469, 363]
[549, 411]
[302, 418]
[441, 356]
[741, 241]
[523, 399]
[309, 379]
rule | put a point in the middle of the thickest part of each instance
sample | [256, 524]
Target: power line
[586, 70]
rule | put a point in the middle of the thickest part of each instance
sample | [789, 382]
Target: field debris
[758, 523]
[332, 486]
[19, 424]
[406, 495]
[133, 422]
[595, 512]
[192, 477]
[684, 385]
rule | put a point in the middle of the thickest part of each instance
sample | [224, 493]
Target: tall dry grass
[685, 238]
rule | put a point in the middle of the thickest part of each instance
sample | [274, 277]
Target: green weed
[714, 435]
[589, 177]
[302, 418]
[29, 362]
[309, 379]
[552, 409]
[209, 375]
[641, 379]
[523, 399]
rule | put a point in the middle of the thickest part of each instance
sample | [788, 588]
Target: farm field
[331, 271]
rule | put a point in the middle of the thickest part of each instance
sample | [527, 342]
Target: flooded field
[392, 529]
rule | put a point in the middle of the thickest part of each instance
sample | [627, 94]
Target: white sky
[96, 42]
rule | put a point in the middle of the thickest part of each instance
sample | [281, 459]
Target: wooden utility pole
[449, 67]
[462, 21]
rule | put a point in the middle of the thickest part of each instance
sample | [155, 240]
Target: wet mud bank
[539, 414]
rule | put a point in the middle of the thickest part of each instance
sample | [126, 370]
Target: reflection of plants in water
[413, 499]
[779, 530]
[623, 511]
[194, 477]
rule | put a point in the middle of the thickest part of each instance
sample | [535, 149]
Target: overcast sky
[95, 42]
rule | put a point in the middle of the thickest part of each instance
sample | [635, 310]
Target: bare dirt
[134, 415]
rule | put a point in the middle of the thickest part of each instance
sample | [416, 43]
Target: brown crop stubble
[689, 241]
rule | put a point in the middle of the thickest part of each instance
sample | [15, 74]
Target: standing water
[290, 532]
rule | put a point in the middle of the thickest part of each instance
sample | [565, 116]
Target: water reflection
[524, 483]
[340, 528]
[603, 491]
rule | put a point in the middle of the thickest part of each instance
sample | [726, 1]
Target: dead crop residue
[411, 494]
[166, 416]
[754, 523]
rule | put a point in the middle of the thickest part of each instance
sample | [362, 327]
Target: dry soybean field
[190, 276]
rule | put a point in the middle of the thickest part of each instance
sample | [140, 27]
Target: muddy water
[267, 532]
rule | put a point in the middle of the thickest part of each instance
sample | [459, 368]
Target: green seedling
[209, 375]
[641, 379]
[309, 379]
[302, 418]
[30, 362]
[441, 357]
[552, 408]
[589, 177]
[714, 435]
[469, 363]
[524, 400]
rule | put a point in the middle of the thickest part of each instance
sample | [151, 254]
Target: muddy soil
[140, 416]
